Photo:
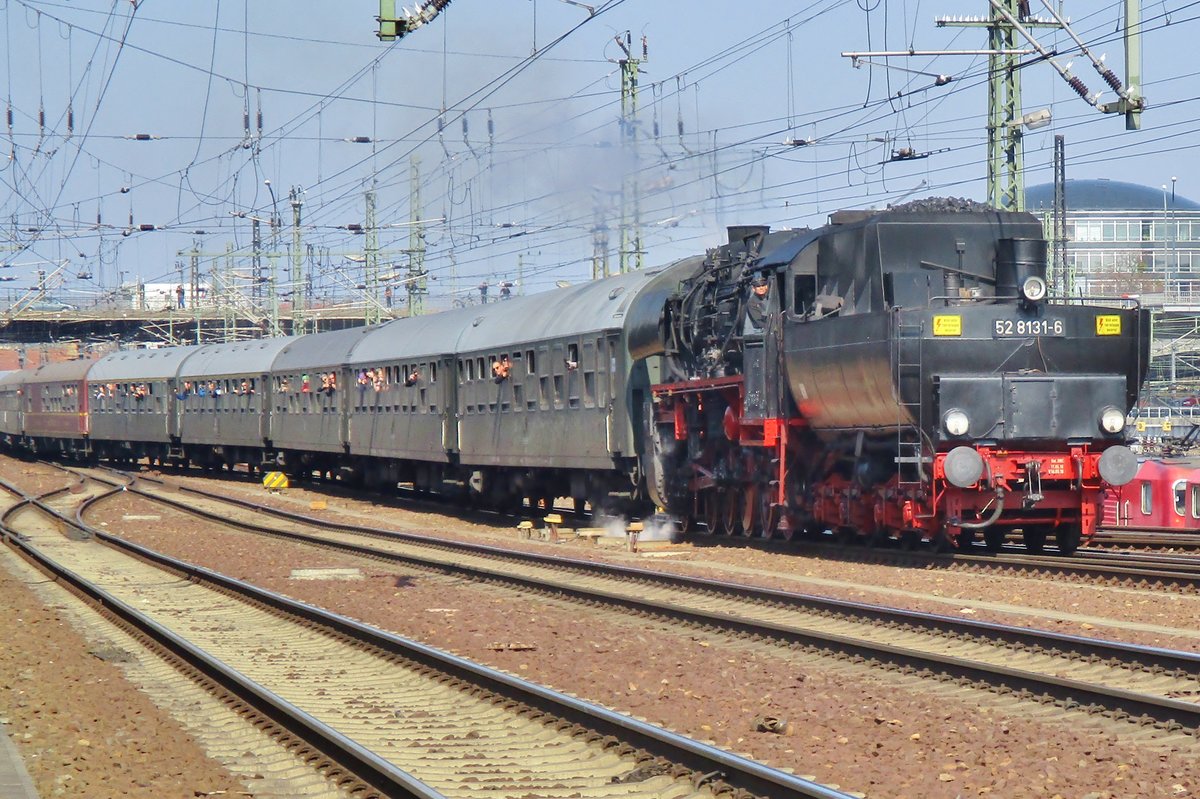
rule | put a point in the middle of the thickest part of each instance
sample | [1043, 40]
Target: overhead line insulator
[1112, 80]
[1078, 85]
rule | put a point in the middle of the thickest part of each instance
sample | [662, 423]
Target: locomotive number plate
[1014, 328]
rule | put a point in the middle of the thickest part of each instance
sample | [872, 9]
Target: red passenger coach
[55, 405]
[1164, 495]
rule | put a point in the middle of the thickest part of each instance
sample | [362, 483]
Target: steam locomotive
[912, 381]
[898, 374]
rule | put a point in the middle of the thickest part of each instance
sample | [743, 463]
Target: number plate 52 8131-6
[1013, 328]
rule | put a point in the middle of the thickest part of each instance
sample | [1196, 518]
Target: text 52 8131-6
[1005, 328]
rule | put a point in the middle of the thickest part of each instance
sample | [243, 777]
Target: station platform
[14, 779]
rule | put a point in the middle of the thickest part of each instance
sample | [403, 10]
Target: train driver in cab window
[756, 306]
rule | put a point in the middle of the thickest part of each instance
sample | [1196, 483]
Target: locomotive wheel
[731, 512]
[1068, 537]
[768, 514]
[943, 543]
[750, 514]
[712, 512]
[994, 538]
[1035, 538]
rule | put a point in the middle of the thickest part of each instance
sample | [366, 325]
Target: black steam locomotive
[910, 379]
[898, 374]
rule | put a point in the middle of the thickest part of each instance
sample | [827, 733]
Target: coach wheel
[994, 538]
[1035, 539]
[750, 512]
[1068, 537]
[731, 512]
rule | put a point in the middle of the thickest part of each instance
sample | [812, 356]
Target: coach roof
[252, 357]
[60, 371]
[411, 338]
[156, 364]
[586, 308]
[320, 350]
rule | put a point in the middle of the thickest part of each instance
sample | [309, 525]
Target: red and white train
[1164, 495]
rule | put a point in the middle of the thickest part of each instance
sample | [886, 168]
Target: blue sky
[739, 79]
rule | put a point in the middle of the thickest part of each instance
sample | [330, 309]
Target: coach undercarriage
[502, 489]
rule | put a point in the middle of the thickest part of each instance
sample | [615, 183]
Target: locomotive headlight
[1112, 420]
[1034, 288]
[956, 423]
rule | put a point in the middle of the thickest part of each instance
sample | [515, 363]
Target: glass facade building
[1123, 239]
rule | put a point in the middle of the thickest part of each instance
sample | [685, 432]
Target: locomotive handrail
[1130, 303]
[1126, 303]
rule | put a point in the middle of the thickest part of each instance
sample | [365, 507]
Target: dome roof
[1105, 195]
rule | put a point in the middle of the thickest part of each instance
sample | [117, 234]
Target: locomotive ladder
[909, 339]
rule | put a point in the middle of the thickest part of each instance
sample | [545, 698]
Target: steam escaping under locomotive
[901, 374]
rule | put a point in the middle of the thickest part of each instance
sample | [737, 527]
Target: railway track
[1100, 565]
[1176, 572]
[1146, 686]
[393, 716]
[1179, 540]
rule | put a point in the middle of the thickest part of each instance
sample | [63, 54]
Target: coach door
[266, 404]
[445, 385]
[613, 366]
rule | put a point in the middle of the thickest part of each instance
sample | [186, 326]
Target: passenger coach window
[1147, 497]
[1196, 502]
[1179, 489]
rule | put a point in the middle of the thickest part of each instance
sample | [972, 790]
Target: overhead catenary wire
[740, 153]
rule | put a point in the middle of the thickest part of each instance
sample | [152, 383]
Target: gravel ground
[878, 734]
[82, 729]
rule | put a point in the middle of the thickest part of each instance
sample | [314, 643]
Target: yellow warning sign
[1108, 325]
[1166, 426]
[1141, 425]
[275, 481]
[945, 325]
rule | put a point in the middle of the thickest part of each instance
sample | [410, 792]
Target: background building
[1123, 239]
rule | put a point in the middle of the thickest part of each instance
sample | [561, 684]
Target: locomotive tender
[903, 374]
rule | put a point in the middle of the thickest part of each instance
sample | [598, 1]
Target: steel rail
[714, 763]
[1165, 711]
